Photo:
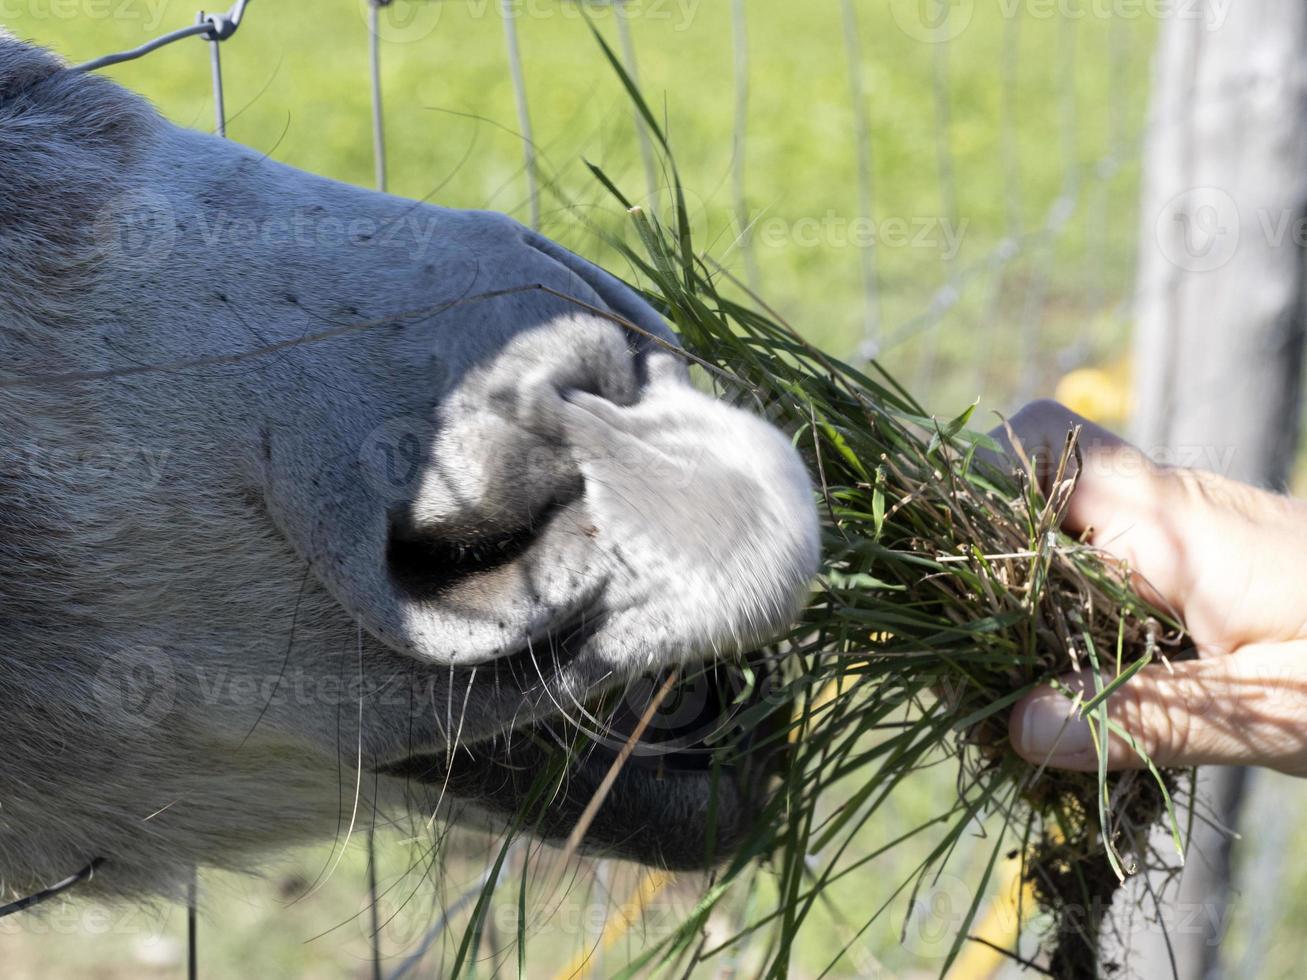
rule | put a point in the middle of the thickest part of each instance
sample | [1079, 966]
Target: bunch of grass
[948, 592]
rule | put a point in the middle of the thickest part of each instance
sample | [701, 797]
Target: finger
[1122, 502]
[1246, 709]
[1037, 434]
[1109, 470]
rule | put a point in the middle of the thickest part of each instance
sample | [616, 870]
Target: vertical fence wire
[1032, 315]
[219, 102]
[982, 373]
[509, 16]
[948, 192]
[632, 64]
[1099, 200]
[740, 138]
[1118, 44]
[374, 909]
[871, 338]
[374, 77]
[192, 925]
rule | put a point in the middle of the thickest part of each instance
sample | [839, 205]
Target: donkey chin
[320, 505]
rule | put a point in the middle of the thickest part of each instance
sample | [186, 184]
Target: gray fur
[227, 540]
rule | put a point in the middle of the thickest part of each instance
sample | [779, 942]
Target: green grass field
[1005, 169]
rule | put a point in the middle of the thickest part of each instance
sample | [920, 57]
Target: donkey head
[317, 502]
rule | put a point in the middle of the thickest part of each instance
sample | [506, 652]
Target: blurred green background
[987, 251]
[1004, 160]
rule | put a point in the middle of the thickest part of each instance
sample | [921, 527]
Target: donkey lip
[707, 736]
[685, 798]
[691, 760]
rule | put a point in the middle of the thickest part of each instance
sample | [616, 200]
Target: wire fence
[1004, 217]
[910, 181]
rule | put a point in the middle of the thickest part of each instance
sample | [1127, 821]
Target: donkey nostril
[428, 562]
[425, 566]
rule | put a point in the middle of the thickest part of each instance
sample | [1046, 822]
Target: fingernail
[1051, 729]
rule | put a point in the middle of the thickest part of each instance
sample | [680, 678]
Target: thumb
[1248, 708]
[1122, 503]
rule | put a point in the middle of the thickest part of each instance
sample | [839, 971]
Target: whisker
[358, 778]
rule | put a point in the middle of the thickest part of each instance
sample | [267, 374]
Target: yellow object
[1001, 926]
[1100, 394]
[829, 691]
[618, 925]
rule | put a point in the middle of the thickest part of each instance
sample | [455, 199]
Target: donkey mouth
[714, 719]
[685, 791]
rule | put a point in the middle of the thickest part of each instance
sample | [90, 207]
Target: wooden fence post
[1219, 337]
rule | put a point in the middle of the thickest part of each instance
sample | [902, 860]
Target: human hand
[1231, 560]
